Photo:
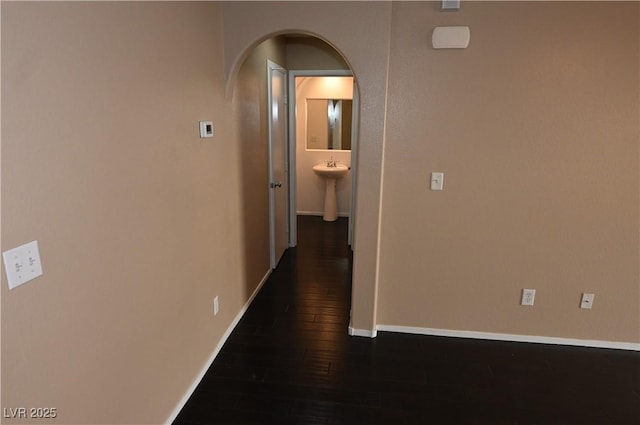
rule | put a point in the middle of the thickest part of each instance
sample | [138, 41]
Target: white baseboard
[320, 213]
[215, 352]
[363, 332]
[505, 337]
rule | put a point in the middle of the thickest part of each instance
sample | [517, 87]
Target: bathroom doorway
[323, 107]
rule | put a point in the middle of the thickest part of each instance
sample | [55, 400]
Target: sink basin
[336, 172]
[330, 175]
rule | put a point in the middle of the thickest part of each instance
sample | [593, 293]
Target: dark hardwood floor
[290, 361]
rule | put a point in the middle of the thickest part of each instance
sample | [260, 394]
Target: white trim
[320, 213]
[511, 337]
[291, 150]
[216, 351]
[355, 148]
[271, 66]
[363, 332]
[293, 73]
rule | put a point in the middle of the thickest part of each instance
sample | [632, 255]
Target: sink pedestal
[330, 200]
[330, 175]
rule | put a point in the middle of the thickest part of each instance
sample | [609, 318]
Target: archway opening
[305, 56]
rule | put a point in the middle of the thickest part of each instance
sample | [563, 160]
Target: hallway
[290, 361]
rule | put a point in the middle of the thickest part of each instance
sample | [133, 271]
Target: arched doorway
[305, 55]
[317, 73]
[244, 25]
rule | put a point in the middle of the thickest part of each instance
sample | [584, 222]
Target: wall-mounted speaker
[450, 37]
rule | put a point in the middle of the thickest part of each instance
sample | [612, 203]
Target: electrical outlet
[587, 300]
[528, 297]
[206, 129]
[216, 306]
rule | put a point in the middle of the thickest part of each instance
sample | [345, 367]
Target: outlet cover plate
[206, 129]
[528, 297]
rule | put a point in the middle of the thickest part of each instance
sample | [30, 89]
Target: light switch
[587, 301]
[437, 181]
[22, 264]
[206, 129]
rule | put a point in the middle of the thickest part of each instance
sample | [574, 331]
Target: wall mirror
[329, 124]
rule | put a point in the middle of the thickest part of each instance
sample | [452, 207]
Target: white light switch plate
[437, 181]
[587, 300]
[22, 264]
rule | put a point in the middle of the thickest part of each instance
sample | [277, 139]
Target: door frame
[273, 66]
[293, 223]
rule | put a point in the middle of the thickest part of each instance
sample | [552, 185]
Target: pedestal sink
[330, 173]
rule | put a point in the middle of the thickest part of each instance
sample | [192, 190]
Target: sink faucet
[331, 163]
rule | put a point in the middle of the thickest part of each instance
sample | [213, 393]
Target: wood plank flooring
[290, 361]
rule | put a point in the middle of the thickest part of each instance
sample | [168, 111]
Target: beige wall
[536, 128]
[312, 53]
[250, 124]
[140, 222]
[310, 188]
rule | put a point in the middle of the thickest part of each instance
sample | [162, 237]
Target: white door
[278, 164]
